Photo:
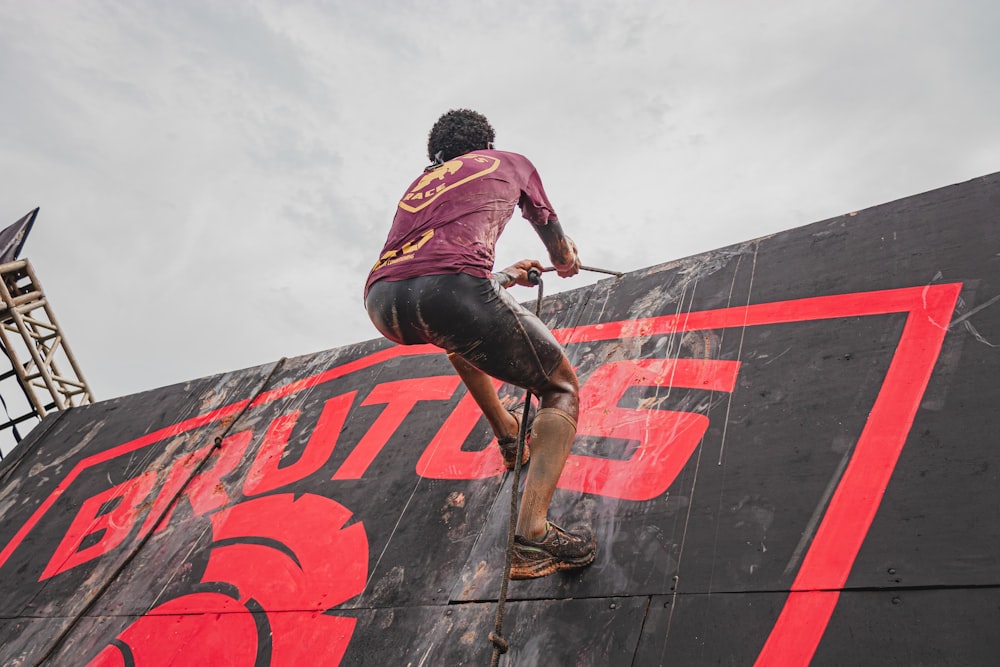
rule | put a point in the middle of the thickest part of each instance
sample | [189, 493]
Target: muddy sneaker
[558, 550]
[508, 446]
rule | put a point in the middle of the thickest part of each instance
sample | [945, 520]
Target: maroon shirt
[450, 218]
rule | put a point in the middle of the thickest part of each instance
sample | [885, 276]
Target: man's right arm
[562, 250]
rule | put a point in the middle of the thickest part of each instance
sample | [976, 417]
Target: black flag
[12, 239]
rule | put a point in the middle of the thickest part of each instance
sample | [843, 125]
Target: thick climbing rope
[500, 644]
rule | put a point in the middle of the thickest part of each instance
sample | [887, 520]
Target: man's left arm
[562, 250]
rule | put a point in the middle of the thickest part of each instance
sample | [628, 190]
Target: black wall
[787, 449]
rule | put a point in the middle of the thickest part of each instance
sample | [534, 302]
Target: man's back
[450, 217]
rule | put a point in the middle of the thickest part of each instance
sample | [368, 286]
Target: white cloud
[216, 178]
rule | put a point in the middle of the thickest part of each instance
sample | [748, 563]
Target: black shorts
[472, 317]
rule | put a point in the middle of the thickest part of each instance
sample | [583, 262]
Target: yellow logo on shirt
[404, 253]
[451, 174]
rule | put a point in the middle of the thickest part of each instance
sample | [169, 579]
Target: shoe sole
[549, 566]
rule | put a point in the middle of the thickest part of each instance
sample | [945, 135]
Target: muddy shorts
[472, 317]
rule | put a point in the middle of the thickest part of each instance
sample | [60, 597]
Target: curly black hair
[458, 132]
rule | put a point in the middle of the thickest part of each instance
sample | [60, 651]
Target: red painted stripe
[800, 626]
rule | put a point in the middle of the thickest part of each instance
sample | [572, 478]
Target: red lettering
[205, 491]
[666, 438]
[444, 457]
[400, 397]
[108, 527]
[267, 475]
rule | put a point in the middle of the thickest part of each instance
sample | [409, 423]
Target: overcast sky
[216, 178]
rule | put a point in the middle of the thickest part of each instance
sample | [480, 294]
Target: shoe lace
[560, 538]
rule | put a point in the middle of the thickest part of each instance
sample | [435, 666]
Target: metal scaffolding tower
[39, 357]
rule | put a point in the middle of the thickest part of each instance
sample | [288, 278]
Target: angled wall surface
[787, 448]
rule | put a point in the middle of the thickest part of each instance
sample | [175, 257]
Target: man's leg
[551, 440]
[540, 547]
[480, 385]
[491, 336]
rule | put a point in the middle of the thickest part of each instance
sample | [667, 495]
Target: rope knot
[499, 642]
